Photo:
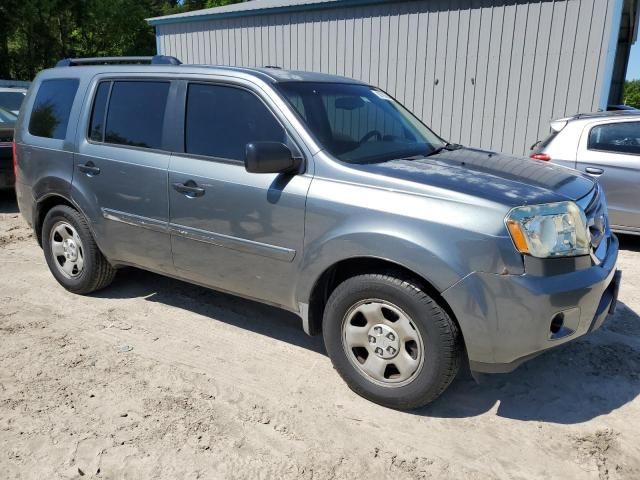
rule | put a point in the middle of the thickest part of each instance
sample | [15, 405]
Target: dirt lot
[155, 378]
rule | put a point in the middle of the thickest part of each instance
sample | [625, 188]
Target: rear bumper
[26, 202]
[508, 319]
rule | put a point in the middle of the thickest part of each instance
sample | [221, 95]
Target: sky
[633, 70]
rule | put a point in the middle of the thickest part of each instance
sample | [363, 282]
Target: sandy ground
[155, 378]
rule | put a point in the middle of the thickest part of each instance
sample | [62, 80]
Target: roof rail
[154, 60]
[273, 66]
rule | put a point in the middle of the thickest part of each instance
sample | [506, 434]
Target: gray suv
[320, 195]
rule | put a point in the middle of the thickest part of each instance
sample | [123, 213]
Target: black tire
[97, 273]
[442, 343]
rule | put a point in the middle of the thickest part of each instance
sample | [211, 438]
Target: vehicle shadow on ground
[571, 384]
[8, 202]
[629, 242]
[249, 315]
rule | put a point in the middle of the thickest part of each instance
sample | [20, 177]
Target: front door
[610, 153]
[121, 171]
[233, 230]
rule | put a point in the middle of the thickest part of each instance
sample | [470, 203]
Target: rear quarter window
[620, 137]
[52, 107]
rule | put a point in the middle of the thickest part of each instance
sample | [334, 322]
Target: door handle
[89, 168]
[189, 188]
[594, 171]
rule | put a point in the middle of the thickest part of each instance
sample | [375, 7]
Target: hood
[502, 178]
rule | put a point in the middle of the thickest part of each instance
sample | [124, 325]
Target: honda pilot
[321, 195]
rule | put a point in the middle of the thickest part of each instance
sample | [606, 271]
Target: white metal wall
[484, 73]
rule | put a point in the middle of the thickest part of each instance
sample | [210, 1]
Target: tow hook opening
[564, 324]
[557, 323]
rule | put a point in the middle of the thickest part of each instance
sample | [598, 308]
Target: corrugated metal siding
[479, 72]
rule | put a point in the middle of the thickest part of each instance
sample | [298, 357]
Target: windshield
[7, 117]
[358, 123]
[11, 100]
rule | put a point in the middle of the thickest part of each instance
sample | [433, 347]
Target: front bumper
[508, 319]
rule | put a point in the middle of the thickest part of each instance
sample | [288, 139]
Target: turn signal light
[518, 236]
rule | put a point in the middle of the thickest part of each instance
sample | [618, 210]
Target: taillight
[540, 156]
[15, 159]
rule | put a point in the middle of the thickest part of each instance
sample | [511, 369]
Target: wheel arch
[44, 206]
[347, 268]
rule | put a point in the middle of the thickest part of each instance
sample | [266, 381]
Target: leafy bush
[632, 93]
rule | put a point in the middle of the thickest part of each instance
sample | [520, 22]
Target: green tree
[632, 93]
[35, 34]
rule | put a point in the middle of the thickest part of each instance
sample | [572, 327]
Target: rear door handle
[594, 171]
[89, 168]
[189, 188]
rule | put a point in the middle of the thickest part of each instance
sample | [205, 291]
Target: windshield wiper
[447, 146]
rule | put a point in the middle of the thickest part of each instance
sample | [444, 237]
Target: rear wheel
[71, 252]
[390, 341]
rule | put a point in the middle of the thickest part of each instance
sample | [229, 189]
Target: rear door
[233, 230]
[121, 170]
[610, 152]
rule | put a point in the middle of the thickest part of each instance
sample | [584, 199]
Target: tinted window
[11, 100]
[96, 128]
[621, 137]
[358, 123]
[222, 120]
[51, 109]
[7, 117]
[136, 113]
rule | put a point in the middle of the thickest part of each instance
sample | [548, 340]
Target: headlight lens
[549, 230]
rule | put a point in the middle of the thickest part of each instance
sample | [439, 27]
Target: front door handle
[594, 171]
[189, 188]
[89, 168]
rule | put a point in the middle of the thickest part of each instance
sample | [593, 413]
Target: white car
[606, 146]
[11, 98]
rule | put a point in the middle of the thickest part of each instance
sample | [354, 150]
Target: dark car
[7, 124]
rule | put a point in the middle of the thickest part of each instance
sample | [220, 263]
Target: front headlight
[549, 230]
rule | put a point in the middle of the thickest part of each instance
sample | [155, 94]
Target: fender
[323, 254]
[50, 187]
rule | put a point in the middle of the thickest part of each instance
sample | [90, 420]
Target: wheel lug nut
[391, 350]
[372, 339]
[391, 336]
[379, 351]
[378, 330]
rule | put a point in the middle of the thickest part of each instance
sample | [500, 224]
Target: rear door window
[221, 120]
[51, 108]
[620, 137]
[135, 115]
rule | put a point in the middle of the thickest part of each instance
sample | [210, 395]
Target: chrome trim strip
[135, 220]
[234, 243]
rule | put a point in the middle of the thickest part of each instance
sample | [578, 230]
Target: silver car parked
[605, 146]
[321, 195]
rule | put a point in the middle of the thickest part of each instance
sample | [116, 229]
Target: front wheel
[390, 341]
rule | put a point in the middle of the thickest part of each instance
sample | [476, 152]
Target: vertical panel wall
[484, 73]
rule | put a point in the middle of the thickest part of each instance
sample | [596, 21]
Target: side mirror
[270, 157]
